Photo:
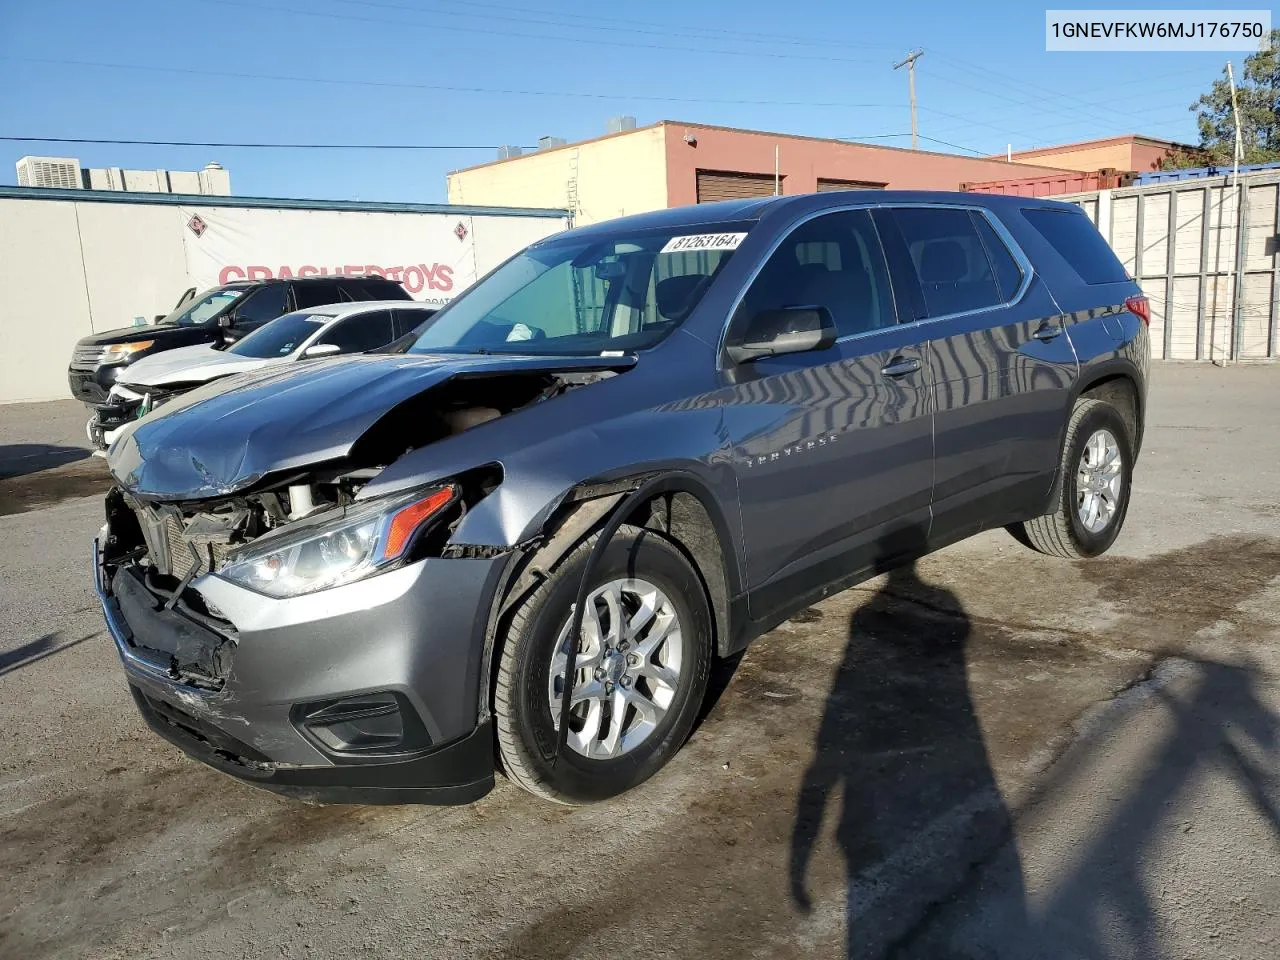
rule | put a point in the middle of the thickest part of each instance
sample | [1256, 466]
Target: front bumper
[92, 384]
[242, 699]
[115, 413]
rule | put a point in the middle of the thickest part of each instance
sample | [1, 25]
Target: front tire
[1093, 496]
[643, 662]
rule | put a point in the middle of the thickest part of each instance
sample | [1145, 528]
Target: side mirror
[321, 350]
[158, 317]
[772, 333]
[227, 320]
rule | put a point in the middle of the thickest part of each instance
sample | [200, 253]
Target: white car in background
[323, 331]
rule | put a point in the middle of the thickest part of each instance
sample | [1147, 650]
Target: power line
[253, 146]
[1084, 115]
[1025, 133]
[616, 25]
[965, 123]
[958, 146]
[808, 41]
[1086, 106]
[898, 136]
[392, 84]
[543, 37]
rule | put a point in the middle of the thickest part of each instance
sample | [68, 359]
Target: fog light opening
[374, 723]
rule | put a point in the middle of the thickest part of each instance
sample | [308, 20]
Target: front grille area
[172, 550]
[187, 552]
[87, 357]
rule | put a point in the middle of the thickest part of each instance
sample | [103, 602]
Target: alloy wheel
[628, 668]
[1099, 481]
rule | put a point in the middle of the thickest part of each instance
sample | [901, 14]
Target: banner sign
[431, 255]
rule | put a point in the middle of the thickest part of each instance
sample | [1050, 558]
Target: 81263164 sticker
[703, 241]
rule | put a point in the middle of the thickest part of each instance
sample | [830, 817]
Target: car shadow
[901, 767]
[19, 459]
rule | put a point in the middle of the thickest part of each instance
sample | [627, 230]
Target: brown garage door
[825, 184]
[722, 185]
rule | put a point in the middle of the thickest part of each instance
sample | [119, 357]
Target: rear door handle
[1047, 331]
[900, 366]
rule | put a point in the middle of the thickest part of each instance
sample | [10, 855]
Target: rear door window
[378, 288]
[308, 295]
[365, 331]
[949, 259]
[1078, 242]
[265, 303]
[406, 321]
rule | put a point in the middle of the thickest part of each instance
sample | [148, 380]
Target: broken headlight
[361, 540]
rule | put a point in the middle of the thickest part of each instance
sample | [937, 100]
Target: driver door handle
[1047, 331]
[900, 366]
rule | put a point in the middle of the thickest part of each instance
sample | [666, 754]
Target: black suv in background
[221, 315]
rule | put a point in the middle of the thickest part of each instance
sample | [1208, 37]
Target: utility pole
[1237, 268]
[910, 63]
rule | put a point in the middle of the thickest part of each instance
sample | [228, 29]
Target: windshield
[204, 307]
[281, 336]
[585, 296]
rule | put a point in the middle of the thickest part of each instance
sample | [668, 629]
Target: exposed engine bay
[173, 542]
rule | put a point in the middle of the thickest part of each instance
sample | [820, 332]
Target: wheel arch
[1120, 383]
[1121, 391]
[1114, 380]
[679, 505]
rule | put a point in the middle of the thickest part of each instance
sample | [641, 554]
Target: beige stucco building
[1129, 152]
[669, 164]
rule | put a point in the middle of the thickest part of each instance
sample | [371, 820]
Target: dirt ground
[991, 754]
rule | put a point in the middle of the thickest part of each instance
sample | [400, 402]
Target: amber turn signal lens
[408, 519]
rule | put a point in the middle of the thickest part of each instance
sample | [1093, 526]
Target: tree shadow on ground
[19, 459]
[1213, 724]
[36, 650]
[901, 765]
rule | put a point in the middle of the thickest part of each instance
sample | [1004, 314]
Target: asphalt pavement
[991, 754]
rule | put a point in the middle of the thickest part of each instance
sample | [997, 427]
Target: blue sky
[395, 72]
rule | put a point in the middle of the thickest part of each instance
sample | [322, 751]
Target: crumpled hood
[228, 435]
[194, 364]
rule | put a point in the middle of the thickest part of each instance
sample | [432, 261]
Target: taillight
[1140, 307]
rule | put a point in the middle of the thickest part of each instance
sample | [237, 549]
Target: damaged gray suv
[627, 451]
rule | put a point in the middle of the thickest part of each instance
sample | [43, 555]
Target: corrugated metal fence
[1180, 240]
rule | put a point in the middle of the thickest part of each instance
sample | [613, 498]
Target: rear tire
[654, 674]
[1094, 483]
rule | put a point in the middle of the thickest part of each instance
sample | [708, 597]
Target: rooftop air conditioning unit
[50, 172]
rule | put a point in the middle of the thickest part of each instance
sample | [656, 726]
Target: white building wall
[68, 269]
[46, 302]
[133, 261]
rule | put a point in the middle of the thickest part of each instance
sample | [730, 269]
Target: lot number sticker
[703, 241]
